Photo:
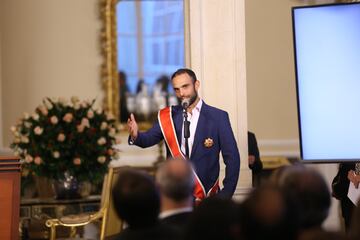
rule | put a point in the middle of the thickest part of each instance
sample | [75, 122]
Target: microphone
[185, 103]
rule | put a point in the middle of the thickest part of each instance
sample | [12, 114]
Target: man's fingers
[132, 118]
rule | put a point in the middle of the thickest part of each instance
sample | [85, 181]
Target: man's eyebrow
[182, 86]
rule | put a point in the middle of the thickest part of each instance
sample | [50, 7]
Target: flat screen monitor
[327, 66]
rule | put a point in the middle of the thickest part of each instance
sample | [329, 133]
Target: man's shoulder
[214, 110]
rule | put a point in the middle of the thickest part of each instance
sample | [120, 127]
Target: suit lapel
[200, 128]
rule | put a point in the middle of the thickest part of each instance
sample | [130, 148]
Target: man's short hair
[177, 181]
[136, 198]
[309, 191]
[187, 71]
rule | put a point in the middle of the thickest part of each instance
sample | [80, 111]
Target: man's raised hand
[132, 127]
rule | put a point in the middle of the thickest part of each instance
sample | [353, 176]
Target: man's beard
[191, 100]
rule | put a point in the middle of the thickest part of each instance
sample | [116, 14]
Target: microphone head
[185, 103]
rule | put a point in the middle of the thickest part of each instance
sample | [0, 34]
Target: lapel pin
[208, 142]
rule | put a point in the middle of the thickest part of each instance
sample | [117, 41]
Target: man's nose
[182, 93]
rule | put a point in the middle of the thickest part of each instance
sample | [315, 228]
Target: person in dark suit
[137, 202]
[254, 161]
[210, 132]
[340, 187]
[176, 184]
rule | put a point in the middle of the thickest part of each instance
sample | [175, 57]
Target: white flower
[101, 141]
[56, 154]
[28, 158]
[24, 139]
[75, 100]
[90, 114]
[103, 125]
[54, 120]
[101, 159]
[76, 106]
[99, 111]
[26, 116]
[27, 124]
[17, 140]
[38, 130]
[35, 116]
[112, 132]
[61, 137]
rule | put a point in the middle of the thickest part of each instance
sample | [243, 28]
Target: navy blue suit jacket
[215, 124]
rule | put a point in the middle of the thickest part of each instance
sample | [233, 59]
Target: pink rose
[61, 137]
[90, 114]
[38, 130]
[85, 122]
[80, 128]
[77, 161]
[54, 120]
[68, 117]
[37, 160]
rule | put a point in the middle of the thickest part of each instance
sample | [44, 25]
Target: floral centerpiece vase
[67, 141]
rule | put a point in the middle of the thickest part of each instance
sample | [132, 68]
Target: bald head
[175, 179]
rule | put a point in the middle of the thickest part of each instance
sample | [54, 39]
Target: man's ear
[197, 85]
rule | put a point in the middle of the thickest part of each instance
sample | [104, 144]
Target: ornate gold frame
[109, 71]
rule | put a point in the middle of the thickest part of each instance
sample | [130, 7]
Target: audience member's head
[215, 218]
[136, 198]
[176, 181]
[309, 191]
[268, 214]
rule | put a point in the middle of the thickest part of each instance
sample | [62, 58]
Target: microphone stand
[186, 133]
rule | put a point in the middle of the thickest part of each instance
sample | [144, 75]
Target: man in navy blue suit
[210, 133]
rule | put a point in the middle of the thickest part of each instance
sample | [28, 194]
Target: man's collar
[198, 106]
[169, 213]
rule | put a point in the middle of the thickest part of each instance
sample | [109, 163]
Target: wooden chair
[102, 216]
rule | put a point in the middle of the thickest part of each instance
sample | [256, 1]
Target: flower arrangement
[66, 136]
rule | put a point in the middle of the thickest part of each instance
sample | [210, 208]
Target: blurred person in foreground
[309, 193]
[137, 202]
[176, 184]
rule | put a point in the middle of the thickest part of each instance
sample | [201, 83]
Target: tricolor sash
[168, 130]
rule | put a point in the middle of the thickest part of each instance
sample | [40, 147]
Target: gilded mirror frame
[109, 71]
